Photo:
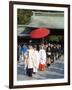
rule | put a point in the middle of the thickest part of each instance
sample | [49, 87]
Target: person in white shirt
[42, 59]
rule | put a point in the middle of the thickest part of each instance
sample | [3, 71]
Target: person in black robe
[48, 53]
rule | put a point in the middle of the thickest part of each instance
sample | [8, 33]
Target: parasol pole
[43, 40]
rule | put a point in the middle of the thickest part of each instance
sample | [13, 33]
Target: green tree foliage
[23, 16]
[55, 38]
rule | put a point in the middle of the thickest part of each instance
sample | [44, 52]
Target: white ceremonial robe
[36, 61]
[42, 56]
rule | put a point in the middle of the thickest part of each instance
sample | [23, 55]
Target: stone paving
[54, 71]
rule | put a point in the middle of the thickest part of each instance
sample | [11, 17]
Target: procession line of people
[35, 60]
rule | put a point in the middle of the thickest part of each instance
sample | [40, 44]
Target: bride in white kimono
[36, 60]
[42, 59]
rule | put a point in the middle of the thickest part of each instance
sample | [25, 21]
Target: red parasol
[39, 33]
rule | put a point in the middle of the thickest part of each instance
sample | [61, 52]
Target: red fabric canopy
[39, 33]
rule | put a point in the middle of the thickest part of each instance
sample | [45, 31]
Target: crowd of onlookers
[38, 57]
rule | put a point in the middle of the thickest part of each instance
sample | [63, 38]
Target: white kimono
[36, 61]
[42, 56]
